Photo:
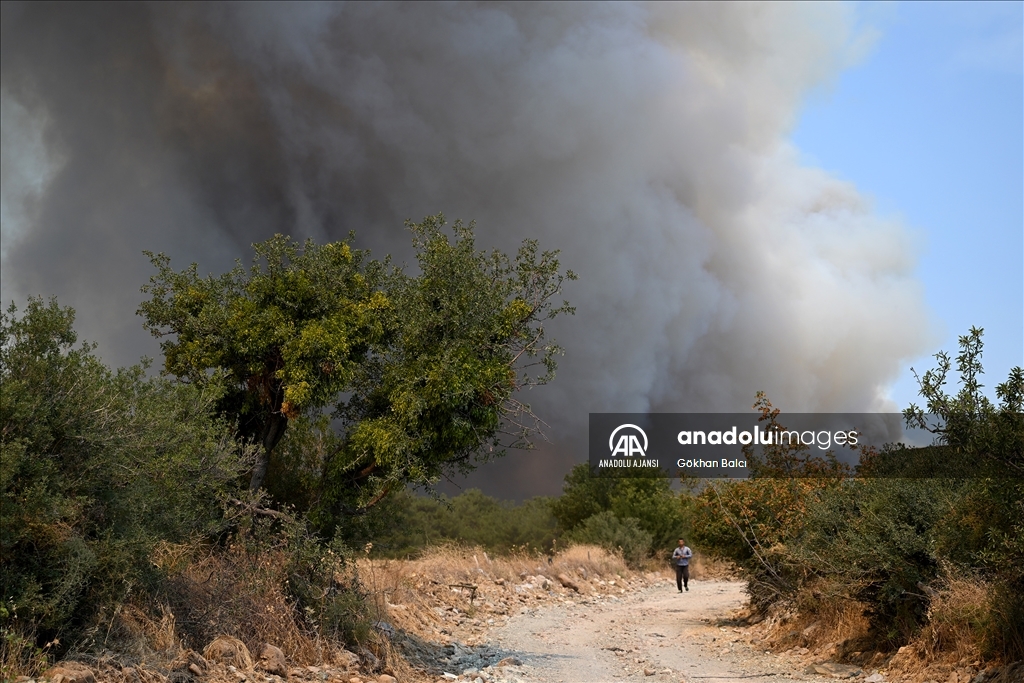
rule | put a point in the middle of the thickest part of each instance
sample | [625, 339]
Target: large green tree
[284, 335]
[418, 373]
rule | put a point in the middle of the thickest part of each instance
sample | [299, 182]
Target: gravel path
[655, 634]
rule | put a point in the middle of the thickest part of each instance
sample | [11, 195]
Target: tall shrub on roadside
[96, 466]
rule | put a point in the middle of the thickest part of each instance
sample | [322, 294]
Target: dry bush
[821, 617]
[958, 617]
[249, 592]
[241, 594]
[137, 632]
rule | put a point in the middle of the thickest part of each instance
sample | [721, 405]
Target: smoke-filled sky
[651, 144]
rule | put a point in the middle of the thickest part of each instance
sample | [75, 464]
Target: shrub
[96, 467]
[650, 500]
[472, 518]
[608, 531]
[272, 582]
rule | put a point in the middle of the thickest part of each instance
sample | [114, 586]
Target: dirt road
[655, 634]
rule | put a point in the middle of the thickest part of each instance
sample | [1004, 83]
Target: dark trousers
[682, 576]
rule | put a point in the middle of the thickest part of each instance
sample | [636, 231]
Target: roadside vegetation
[250, 488]
[888, 558]
[299, 397]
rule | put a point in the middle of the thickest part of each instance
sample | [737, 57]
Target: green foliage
[623, 535]
[284, 336]
[96, 467]
[882, 537]
[755, 523]
[439, 396]
[663, 515]
[985, 527]
[878, 537]
[969, 422]
[422, 371]
[471, 517]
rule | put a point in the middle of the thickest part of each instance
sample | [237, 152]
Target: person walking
[681, 559]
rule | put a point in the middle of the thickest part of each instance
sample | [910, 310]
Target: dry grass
[953, 639]
[950, 646]
[237, 591]
[19, 655]
[957, 617]
[409, 593]
[822, 620]
[240, 594]
[453, 563]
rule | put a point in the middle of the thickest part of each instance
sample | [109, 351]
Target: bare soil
[654, 634]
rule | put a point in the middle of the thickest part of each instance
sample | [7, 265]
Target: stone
[649, 672]
[230, 652]
[370, 660]
[71, 672]
[836, 670]
[810, 630]
[273, 661]
[346, 658]
[509, 661]
[385, 678]
[875, 678]
[568, 583]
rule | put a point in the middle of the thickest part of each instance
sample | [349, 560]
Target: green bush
[662, 514]
[625, 536]
[882, 537]
[877, 536]
[96, 467]
[415, 522]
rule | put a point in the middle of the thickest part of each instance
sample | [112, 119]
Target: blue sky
[931, 125]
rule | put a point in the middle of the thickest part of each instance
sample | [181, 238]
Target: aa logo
[627, 444]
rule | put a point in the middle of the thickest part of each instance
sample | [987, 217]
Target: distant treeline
[470, 518]
[635, 517]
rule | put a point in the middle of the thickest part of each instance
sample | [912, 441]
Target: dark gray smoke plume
[647, 142]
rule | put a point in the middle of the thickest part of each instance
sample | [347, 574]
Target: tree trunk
[272, 433]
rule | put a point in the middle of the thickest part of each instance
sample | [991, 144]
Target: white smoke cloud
[647, 142]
